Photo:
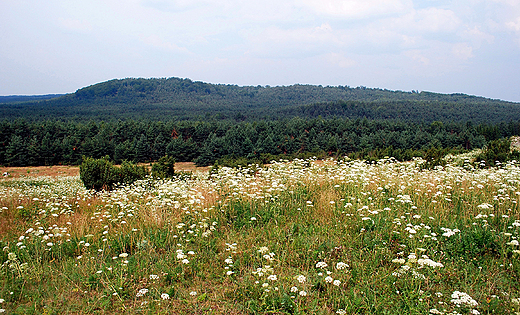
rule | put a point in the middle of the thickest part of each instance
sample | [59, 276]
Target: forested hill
[26, 98]
[183, 99]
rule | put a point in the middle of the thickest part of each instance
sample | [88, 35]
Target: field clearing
[67, 170]
[295, 237]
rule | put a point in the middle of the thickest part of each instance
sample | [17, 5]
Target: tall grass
[297, 237]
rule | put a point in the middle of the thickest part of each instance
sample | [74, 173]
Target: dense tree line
[183, 99]
[24, 143]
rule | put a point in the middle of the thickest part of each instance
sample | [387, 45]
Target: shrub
[498, 151]
[164, 168]
[97, 173]
[101, 174]
[434, 157]
[129, 173]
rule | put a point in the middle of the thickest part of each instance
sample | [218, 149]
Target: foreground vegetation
[296, 237]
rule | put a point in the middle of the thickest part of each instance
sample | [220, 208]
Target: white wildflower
[321, 265]
[459, 298]
[341, 265]
[165, 296]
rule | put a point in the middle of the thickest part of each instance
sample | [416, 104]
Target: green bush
[434, 157]
[101, 174]
[164, 168]
[97, 173]
[129, 173]
[498, 151]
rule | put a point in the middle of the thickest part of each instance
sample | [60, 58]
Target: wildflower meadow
[292, 237]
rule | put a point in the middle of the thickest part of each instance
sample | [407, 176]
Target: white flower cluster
[229, 262]
[231, 247]
[461, 298]
[165, 296]
[266, 270]
[17, 268]
[328, 278]
[321, 264]
[407, 265]
[341, 265]
[485, 206]
[183, 257]
[425, 261]
[261, 271]
[449, 232]
[141, 292]
[269, 256]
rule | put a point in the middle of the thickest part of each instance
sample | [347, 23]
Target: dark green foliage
[204, 142]
[498, 151]
[129, 173]
[164, 168]
[472, 245]
[101, 174]
[181, 99]
[97, 174]
[434, 157]
[17, 152]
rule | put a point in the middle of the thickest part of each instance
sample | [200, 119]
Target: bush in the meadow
[101, 174]
[434, 157]
[498, 151]
[129, 173]
[164, 168]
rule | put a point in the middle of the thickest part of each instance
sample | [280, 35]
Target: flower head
[165, 296]
[321, 264]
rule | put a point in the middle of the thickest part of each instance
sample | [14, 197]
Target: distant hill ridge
[184, 99]
[26, 98]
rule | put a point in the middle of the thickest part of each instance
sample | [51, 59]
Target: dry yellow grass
[67, 170]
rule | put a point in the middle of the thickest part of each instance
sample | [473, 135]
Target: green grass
[294, 238]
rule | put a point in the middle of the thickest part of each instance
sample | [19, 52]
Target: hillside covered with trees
[183, 99]
[141, 120]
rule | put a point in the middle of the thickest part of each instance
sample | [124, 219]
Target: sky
[457, 46]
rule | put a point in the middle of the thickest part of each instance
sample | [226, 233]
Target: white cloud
[356, 9]
[418, 57]
[172, 6]
[386, 43]
[158, 42]
[476, 36]
[514, 25]
[290, 43]
[340, 61]
[76, 25]
[437, 20]
[462, 51]
[423, 21]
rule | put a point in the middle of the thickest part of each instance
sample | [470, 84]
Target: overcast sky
[457, 46]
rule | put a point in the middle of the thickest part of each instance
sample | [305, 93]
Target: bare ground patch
[67, 170]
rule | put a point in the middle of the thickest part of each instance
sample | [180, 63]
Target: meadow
[293, 237]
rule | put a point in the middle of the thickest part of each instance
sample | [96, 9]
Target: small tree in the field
[101, 174]
[164, 168]
[97, 173]
[498, 151]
